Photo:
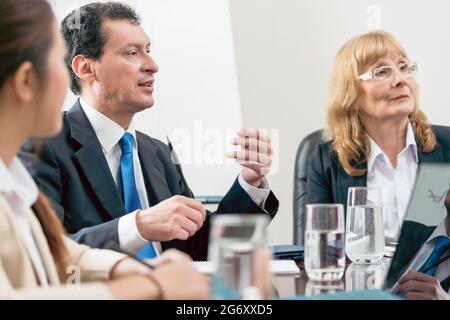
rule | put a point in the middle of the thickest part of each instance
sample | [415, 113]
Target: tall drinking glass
[324, 242]
[364, 225]
[239, 255]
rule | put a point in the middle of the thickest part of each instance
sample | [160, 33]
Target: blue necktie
[127, 187]
[442, 243]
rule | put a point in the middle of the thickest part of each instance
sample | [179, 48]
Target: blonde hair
[345, 127]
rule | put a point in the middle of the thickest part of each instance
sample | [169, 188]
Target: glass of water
[364, 241]
[239, 256]
[324, 242]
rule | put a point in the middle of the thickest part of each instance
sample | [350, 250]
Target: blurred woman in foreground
[36, 259]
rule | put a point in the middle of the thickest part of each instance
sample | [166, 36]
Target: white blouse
[18, 187]
[396, 184]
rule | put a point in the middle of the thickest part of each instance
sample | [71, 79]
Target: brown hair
[26, 35]
[347, 131]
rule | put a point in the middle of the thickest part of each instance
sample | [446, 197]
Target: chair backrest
[301, 164]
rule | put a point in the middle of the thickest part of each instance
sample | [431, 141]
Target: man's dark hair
[83, 33]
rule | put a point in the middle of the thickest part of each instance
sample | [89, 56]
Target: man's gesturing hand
[255, 154]
[178, 217]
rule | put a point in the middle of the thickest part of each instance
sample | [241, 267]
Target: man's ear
[83, 68]
[25, 82]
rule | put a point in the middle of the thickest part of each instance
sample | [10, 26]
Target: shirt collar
[411, 142]
[108, 132]
[16, 179]
[440, 230]
[376, 152]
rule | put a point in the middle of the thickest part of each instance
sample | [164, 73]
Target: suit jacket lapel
[20, 266]
[93, 163]
[413, 236]
[153, 171]
[434, 156]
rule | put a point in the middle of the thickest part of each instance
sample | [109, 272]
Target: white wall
[284, 50]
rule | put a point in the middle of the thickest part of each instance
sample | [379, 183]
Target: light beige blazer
[18, 279]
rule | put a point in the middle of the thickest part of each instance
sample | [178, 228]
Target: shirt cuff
[258, 195]
[129, 237]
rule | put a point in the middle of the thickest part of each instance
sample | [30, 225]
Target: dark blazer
[413, 236]
[72, 171]
[327, 182]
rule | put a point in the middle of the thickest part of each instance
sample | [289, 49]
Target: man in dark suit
[112, 185]
[422, 261]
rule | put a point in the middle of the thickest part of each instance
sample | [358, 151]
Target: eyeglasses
[384, 73]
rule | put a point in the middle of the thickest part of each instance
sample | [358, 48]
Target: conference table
[356, 277]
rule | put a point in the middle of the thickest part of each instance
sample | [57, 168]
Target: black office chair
[301, 164]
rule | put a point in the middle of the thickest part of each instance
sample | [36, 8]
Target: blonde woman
[379, 135]
[35, 257]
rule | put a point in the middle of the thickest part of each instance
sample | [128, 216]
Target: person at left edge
[422, 259]
[112, 71]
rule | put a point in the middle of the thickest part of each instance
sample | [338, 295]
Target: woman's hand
[173, 278]
[420, 286]
[126, 267]
[178, 278]
[167, 257]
